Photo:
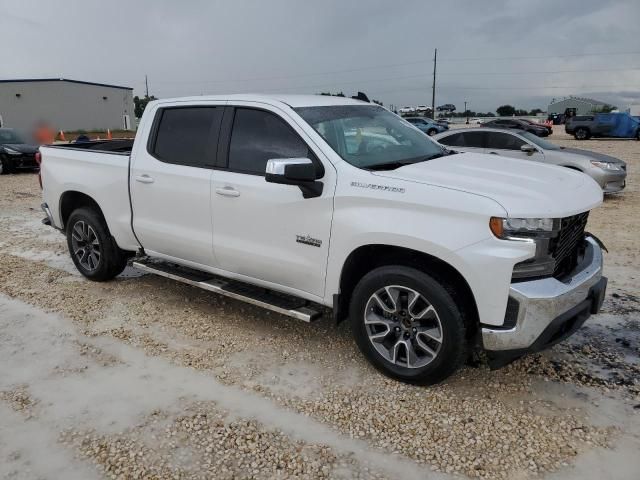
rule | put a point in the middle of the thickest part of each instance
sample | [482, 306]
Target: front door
[267, 231]
[171, 183]
[509, 145]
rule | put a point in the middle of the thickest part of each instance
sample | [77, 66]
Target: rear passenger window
[259, 136]
[474, 139]
[464, 139]
[454, 140]
[504, 141]
[187, 135]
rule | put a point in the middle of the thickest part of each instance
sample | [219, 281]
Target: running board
[276, 302]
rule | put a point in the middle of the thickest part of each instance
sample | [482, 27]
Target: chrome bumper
[543, 302]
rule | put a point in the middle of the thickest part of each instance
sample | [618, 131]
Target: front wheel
[407, 325]
[431, 132]
[582, 134]
[93, 250]
[4, 166]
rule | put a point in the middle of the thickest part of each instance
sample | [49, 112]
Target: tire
[92, 248]
[441, 328]
[638, 135]
[431, 132]
[5, 168]
[582, 134]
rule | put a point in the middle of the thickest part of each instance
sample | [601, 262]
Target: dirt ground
[143, 377]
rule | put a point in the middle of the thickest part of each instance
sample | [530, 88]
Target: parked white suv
[291, 202]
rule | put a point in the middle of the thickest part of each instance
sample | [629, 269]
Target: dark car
[515, 123]
[614, 125]
[536, 124]
[15, 153]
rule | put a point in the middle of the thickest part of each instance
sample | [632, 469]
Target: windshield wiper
[402, 163]
[388, 165]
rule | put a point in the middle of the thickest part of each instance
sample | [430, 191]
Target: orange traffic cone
[109, 136]
[61, 136]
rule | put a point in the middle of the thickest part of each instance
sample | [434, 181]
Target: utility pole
[433, 90]
[466, 112]
[146, 84]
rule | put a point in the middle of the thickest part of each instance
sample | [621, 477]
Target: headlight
[606, 165]
[522, 228]
[11, 151]
[539, 231]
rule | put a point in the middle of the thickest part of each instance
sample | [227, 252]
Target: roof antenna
[362, 97]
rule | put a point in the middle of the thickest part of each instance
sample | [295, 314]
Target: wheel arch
[72, 200]
[368, 257]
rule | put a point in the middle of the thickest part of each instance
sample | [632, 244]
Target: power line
[519, 57]
[531, 87]
[392, 65]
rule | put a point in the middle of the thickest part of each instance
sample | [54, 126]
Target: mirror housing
[294, 171]
[528, 149]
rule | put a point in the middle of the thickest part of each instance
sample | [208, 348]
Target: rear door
[508, 145]
[265, 231]
[171, 182]
[465, 141]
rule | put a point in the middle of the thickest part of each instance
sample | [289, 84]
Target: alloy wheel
[86, 246]
[403, 327]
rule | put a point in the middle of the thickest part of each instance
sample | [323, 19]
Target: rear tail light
[39, 162]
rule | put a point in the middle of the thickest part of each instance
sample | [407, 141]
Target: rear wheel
[93, 250]
[582, 134]
[407, 325]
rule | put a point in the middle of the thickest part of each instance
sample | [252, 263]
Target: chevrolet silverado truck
[295, 203]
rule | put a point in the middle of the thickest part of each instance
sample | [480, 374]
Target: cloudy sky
[490, 52]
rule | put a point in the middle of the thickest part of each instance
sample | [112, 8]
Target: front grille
[565, 248]
[24, 161]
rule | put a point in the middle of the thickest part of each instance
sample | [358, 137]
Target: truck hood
[522, 188]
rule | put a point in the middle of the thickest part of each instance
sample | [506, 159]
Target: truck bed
[98, 170]
[120, 145]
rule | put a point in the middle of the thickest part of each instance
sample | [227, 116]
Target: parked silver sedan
[609, 172]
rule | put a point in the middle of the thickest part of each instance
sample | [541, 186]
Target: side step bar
[276, 302]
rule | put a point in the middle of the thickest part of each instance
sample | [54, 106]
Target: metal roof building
[65, 104]
[582, 105]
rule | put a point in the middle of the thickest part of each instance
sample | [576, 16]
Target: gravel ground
[146, 378]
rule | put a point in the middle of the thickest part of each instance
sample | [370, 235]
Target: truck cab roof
[293, 101]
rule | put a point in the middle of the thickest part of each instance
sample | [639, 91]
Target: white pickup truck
[298, 202]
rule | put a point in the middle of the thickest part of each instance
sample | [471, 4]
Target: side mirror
[528, 149]
[294, 171]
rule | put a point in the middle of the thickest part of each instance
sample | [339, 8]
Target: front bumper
[26, 161]
[548, 310]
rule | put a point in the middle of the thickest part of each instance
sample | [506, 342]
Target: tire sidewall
[110, 256]
[5, 168]
[585, 134]
[452, 351]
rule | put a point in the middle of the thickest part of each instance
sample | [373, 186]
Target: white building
[583, 105]
[66, 104]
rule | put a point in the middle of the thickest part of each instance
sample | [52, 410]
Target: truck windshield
[370, 137]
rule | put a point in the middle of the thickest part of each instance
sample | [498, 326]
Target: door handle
[144, 178]
[494, 153]
[228, 192]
